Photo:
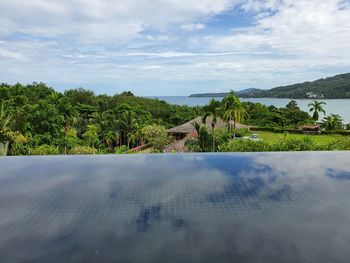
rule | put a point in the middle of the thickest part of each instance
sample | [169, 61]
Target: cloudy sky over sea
[172, 47]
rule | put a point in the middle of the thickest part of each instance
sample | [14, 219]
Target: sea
[335, 106]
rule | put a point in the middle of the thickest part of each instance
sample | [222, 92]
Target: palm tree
[212, 110]
[5, 119]
[108, 138]
[127, 123]
[70, 115]
[132, 138]
[316, 107]
[332, 122]
[234, 111]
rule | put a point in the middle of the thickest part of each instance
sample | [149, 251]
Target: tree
[292, 105]
[316, 108]
[332, 122]
[156, 135]
[70, 115]
[6, 134]
[212, 110]
[70, 140]
[202, 142]
[44, 119]
[127, 123]
[91, 135]
[109, 138]
[127, 93]
[5, 117]
[234, 111]
[81, 96]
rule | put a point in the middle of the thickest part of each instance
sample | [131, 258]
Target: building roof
[176, 146]
[188, 127]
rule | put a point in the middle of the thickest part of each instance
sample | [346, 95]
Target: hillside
[337, 87]
[223, 94]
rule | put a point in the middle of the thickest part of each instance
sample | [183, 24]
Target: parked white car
[254, 137]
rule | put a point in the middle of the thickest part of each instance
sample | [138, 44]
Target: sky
[172, 47]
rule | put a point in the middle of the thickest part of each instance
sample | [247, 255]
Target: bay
[336, 106]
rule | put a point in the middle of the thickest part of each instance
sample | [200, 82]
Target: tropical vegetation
[37, 120]
[212, 110]
[316, 107]
[234, 111]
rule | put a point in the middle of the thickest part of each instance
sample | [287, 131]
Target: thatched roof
[176, 146]
[188, 127]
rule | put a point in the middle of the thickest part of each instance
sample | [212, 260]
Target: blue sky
[172, 47]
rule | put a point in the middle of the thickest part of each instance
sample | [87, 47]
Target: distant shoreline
[336, 87]
[216, 96]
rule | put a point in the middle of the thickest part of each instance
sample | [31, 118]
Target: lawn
[318, 139]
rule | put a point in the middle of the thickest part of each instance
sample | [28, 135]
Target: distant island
[337, 87]
[223, 94]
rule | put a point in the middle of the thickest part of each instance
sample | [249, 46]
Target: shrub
[276, 130]
[193, 144]
[203, 142]
[242, 132]
[44, 150]
[339, 145]
[340, 132]
[287, 144]
[244, 146]
[121, 149]
[293, 144]
[81, 150]
[270, 129]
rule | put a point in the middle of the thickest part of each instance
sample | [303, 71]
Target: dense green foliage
[283, 120]
[332, 122]
[156, 135]
[36, 119]
[269, 116]
[337, 87]
[287, 144]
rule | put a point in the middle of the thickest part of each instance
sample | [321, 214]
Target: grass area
[147, 150]
[318, 139]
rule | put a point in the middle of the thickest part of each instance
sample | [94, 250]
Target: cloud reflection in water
[264, 207]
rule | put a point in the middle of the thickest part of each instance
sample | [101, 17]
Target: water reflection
[264, 207]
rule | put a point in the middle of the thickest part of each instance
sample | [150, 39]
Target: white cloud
[303, 27]
[152, 67]
[10, 54]
[193, 27]
[101, 21]
[258, 6]
[76, 41]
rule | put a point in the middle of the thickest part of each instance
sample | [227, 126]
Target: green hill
[223, 94]
[337, 87]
